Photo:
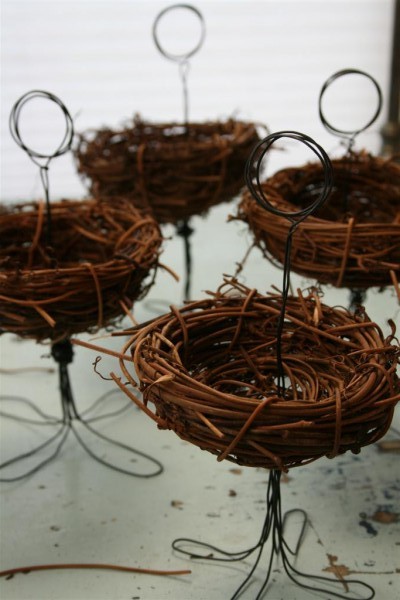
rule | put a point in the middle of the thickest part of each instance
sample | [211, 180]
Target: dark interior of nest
[249, 368]
[175, 169]
[97, 256]
[365, 187]
[212, 374]
[68, 245]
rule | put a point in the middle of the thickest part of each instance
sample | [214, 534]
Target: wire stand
[357, 295]
[273, 530]
[182, 59]
[274, 524]
[62, 353]
[184, 230]
[357, 298]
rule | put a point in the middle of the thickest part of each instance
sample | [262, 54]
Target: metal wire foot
[71, 420]
[273, 531]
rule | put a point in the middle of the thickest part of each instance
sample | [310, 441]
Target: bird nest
[178, 171]
[210, 370]
[353, 239]
[98, 261]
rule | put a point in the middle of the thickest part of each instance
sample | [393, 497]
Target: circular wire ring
[66, 142]
[255, 160]
[184, 56]
[328, 82]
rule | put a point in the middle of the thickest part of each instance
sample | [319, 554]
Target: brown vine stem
[78, 342]
[25, 570]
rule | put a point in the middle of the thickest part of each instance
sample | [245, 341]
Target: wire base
[273, 530]
[70, 421]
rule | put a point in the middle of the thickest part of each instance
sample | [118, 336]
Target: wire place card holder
[183, 227]
[350, 242]
[178, 169]
[273, 381]
[383, 260]
[68, 267]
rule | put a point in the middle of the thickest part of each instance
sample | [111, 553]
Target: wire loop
[253, 168]
[184, 56]
[351, 134]
[35, 156]
[15, 114]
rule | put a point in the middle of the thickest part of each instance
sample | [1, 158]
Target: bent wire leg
[273, 530]
[58, 438]
[76, 418]
[61, 433]
[101, 400]
[71, 420]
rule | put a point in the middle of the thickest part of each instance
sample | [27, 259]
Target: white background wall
[262, 60]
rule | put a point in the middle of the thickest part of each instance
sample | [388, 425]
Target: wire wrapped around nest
[100, 257]
[210, 369]
[178, 171]
[353, 240]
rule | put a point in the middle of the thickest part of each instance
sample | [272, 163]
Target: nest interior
[99, 257]
[176, 170]
[210, 370]
[353, 239]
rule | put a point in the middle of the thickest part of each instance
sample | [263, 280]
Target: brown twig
[11, 572]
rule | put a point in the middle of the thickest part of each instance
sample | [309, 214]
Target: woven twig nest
[210, 369]
[100, 257]
[353, 239]
[175, 170]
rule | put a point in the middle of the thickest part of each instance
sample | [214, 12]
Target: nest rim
[37, 299]
[357, 251]
[273, 432]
